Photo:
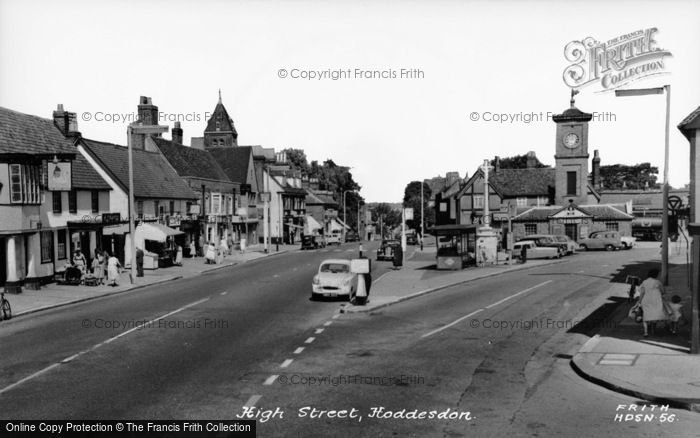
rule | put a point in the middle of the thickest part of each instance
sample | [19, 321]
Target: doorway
[571, 231]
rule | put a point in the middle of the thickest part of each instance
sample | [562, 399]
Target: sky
[466, 58]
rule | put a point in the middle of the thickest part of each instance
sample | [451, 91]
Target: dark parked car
[309, 242]
[411, 239]
[386, 250]
[352, 236]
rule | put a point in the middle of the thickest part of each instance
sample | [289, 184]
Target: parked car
[311, 242]
[333, 238]
[628, 242]
[534, 251]
[607, 240]
[411, 239]
[334, 279]
[352, 236]
[571, 245]
[550, 241]
[386, 249]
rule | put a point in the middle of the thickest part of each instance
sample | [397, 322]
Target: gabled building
[321, 208]
[51, 200]
[160, 194]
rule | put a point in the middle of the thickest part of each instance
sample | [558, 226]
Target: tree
[412, 199]
[298, 159]
[516, 162]
[637, 177]
[385, 216]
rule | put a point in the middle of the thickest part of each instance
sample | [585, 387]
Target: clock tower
[571, 155]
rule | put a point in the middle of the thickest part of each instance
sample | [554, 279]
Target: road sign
[408, 214]
[674, 202]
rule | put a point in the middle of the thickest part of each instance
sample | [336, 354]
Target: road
[249, 335]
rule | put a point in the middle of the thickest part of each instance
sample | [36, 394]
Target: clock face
[571, 140]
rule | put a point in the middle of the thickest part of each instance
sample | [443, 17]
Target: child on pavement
[675, 315]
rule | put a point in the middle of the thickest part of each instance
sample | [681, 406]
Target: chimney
[451, 178]
[148, 113]
[66, 122]
[177, 133]
[596, 170]
[531, 160]
[496, 164]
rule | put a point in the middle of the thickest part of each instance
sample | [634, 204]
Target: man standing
[139, 262]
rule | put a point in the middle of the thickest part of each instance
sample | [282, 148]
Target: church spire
[219, 95]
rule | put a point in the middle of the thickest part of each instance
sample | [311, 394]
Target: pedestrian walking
[230, 244]
[223, 248]
[651, 301]
[210, 256]
[675, 315]
[192, 249]
[201, 250]
[113, 267]
[139, 262]
[98, 266]
[79, 261]
[523, 254]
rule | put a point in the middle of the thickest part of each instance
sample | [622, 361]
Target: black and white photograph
[302, 218]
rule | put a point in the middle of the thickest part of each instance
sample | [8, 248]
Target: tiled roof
[189, 161]
[524, 182]
[153, 175]
[537, 213]
[599, 212]
[26, 134]
[319, 199]
[572, 114]
[233, 160]
[690, 123]
[85, 176]
[606, 212]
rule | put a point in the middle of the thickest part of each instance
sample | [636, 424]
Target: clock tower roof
[572, 114]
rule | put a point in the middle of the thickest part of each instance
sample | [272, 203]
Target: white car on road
[334, 279]
[535, 252]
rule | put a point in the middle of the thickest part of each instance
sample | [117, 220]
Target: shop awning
[155, 231]
[337, 224]
[311, 225]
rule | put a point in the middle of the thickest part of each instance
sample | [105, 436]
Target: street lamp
[664, 207]
[136, 128]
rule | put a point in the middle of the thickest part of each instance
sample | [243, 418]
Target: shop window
[215, 203]
[95, 201]
[72, 201]
[530, 229]
[521, 202]
[62, 244]
[46, 246]
[57, 202]
[612, 226]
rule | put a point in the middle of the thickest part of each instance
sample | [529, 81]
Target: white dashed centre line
[327, 323]
[270, 380]
[286, 363]
[299, 350]
[252, 401]
[319, 331]
[336, 316]
[309, 340]
[223, 293]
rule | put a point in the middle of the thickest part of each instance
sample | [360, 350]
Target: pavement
[658, 368]
[419, 276]
[53, 295]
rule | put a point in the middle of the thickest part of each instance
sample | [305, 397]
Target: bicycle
[5, 308]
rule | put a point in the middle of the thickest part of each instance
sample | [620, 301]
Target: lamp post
[136, 128]
[664, 207]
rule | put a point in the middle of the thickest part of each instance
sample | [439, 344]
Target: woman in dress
[98, 266]
[113, 270]
[651, 301]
